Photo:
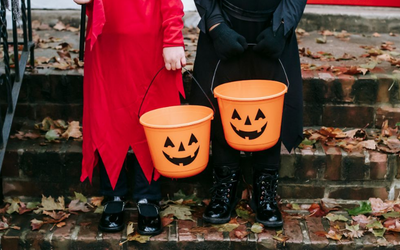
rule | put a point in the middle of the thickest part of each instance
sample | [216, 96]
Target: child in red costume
[127, 43]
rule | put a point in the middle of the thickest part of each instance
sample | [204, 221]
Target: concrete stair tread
[81, 231]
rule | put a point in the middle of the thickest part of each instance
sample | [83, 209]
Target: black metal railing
[21, 15]
[82, 33]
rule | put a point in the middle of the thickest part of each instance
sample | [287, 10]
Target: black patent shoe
[269, 215]
[112, 219]
[149, 221]
[223, 199]
[267, 211]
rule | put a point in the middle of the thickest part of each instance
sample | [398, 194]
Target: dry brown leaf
[59, 26]
[96, 201]
[240, 234]
[73, 131]
[50, 204]
[77, 205]
[36, 224]
[334, 235]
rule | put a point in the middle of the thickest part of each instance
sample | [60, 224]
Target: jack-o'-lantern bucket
[251, 113]
[178, 139]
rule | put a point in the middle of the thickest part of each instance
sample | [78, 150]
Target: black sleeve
[289, 11]
[210, 13]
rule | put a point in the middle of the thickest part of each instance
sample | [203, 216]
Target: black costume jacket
[250, 65]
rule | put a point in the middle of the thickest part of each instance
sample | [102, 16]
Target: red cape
[123, 53]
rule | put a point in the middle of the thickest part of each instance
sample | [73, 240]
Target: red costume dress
[124, 44]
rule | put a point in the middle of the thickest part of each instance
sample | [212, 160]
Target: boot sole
[149, 233]
[216, 220]
[113, 230]
[270, 224]
[221, 220]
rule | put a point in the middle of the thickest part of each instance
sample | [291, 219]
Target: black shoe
[223, 198]
[149, 221]
[112, 219]
[267, 211]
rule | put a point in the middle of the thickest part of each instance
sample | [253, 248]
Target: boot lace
[267, 187]
[222, 187]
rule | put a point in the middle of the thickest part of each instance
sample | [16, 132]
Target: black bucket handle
[194, 79]
[250, 44]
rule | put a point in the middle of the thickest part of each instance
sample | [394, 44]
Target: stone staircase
[306, 175]
[336, 100]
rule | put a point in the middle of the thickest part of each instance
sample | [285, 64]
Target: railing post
[82, 33]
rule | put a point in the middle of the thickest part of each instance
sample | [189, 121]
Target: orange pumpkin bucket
[251, 113]
[179, 139]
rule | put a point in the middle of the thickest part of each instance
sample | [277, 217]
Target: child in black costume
[242, 40]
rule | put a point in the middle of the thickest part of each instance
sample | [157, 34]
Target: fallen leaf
[364, 208]
[165, 221]
[24, 209]
[96, 201]
[36, 224]
[379, 207]
[391, 215]
[392, 224]
[316, 210]
[77, 205]
[240, 234]
[5, 208]
[61, 224]
[50, 204]
[80, 197]
[181, 212]
[257, 228]
[227, 227]
[59, 26]
[329, 205]
[321, 40]
[52, 135]
[332, 234]
[281, 237]
[374, 224]
[14, 205]
[353, 232]
[335, 217]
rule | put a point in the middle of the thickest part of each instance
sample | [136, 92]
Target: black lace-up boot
[223, 198]
[265, 186]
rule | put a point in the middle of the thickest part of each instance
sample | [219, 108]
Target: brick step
[30, 170]
[80, 232]
[315, 17]
[328, 100]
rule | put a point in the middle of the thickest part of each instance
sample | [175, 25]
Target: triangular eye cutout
[235, 115]
[193, 139]
[260, 115]
[168, 142]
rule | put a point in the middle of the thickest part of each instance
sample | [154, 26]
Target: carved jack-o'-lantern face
[247, 126]
[180, 154]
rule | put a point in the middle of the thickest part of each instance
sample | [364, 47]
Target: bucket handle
[163, 67]
[251, 44]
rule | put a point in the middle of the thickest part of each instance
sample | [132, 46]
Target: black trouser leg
[142, 188]
[268, 160]
[121, 188]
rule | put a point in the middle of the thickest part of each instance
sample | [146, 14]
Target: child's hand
[82, 1]
[174, 57]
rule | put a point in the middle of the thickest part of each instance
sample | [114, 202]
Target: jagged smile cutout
[250, 135]
[181, 161]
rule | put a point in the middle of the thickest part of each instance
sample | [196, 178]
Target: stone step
[30, 170]
[80, 232]
[329, 100]
[315, 17]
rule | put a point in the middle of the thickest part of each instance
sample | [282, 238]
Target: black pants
[224, 155]
[142, 188]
